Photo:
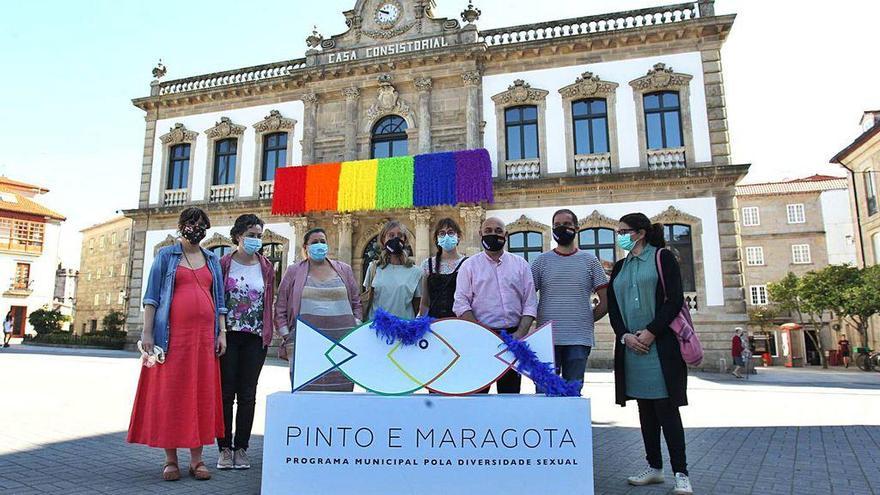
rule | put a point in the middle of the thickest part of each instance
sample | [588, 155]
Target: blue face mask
[625, 242]
[318, 251]
[252, 245]
[447, 242]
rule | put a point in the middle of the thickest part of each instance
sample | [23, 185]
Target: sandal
[200, 472]
[170, 474]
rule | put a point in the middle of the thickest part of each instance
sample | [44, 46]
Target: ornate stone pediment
[661, 77]
[388, 101]
[597, 219]
[217, 239]
[520, 92]
[524, 223]
[588, 85]
[179, 134]
[674, 215]
[224, 129]
[275, 122]
[270, 237]
[168, 241]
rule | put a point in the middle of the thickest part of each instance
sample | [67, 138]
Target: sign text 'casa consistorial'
[400, 47]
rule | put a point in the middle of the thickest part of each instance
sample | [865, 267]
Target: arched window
[598, 242]
[529, 245]
[679, 240]
[663, 120]
[389, 137]
[178, 167]
[521, 129]
[274, 154]
[224, 161]
[221, 250]
[590, 121]
[274, 252]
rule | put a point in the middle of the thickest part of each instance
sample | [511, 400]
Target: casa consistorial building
[605, 114]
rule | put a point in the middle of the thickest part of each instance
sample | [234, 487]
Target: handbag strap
[660, 273]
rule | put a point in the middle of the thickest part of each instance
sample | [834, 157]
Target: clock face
[387, 14]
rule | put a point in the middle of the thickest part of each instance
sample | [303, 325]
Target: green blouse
[635, 288]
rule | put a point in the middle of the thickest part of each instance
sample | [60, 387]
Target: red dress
[179, 404]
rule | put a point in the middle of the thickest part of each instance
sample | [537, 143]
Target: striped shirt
[566, 284]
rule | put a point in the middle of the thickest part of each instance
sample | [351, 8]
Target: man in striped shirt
[566, 279]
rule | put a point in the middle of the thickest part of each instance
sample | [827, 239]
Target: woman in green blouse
[648, 366]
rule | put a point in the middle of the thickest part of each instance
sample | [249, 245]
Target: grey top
[566, 284]
[394, 288]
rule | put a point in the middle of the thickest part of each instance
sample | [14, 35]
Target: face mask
[252, 245]
[447, 242]
[493, 242]
[625, 242]
[318, 251]
[394, 245]
[193, 233]
[563, 235]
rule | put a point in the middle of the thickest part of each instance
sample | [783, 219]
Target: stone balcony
[523, 169]
[223, 193]
[267, 189]
[594, 164]
[174, 197]
[666, 159]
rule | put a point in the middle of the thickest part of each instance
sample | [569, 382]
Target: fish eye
[423, 344]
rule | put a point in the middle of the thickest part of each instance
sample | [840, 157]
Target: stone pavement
[64, 415]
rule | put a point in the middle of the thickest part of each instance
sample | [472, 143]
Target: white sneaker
[225, 459]
[649, 476]
[682, 485]
[241, 460]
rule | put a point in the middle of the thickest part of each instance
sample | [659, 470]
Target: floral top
[244, 298]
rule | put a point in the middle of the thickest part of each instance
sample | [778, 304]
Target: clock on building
[387, 14]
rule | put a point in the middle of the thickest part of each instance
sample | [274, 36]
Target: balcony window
[521, 129]
[225, 152]
[678, 239]
[389, 138]
[21, 235]
[590, 121]
[178, 167]
[22, 280]
[274, 154]
[663, 120]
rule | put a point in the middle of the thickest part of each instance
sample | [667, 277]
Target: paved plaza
[792, 432]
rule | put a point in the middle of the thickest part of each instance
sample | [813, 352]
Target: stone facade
[104, 273]
[432, 73]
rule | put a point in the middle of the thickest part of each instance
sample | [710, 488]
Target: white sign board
[326, 444]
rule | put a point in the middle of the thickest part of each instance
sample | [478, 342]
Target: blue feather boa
[393, 329]
[541, 373]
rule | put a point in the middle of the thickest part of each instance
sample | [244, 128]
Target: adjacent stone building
[796, 227]
[604, 114]
[103, 273]
[861, 159]
[29, 234]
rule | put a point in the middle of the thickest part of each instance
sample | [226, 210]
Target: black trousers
[240, 369]
[656, 415]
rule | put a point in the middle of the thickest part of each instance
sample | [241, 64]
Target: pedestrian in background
[845, 351]
[737, 348]
[249, 280]
[178, 404]
[7, 329]
[648, 366]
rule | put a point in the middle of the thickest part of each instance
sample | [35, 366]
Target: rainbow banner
[433, 179]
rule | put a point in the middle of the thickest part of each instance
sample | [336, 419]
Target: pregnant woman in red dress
[178, 403]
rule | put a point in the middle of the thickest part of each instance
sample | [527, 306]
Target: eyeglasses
[626, 231]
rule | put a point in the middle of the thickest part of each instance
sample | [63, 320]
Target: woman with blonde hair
[393, 282]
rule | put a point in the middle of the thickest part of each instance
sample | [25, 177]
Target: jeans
[239, 371]
[571, 363]
[656, 415]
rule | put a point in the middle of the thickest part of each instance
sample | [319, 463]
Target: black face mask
[563, 235]
[193, 233]
[394, 245]
[493, 242]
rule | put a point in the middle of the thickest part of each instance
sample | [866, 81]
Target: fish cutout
[455, 357]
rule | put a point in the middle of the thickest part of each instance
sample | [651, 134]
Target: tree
[113, 321]
[816, 291]
[788, 293]
[763, 316]
[46, 321]
[858, 297]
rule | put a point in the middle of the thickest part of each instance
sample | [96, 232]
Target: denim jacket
[160, 290]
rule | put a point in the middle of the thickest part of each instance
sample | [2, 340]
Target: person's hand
[147, 343]
[283, 351]
[519, 335]
[220, 347]
[634, 344]
[645, 337]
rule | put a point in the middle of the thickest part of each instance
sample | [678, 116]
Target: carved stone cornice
[310, 98]
[271, 237]
[472, 215]
[345, 221]
[520, 92]
[596, 219]
[674, 215]
[275, 122]
[588, 85]
[217, 239]
[351, 94]
[424, 84]
[390, 33]
[224, 129]
[526, 224]
[661, 77]
[472, 78]
[179, 134]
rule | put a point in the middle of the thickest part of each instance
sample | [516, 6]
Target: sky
[797, 79]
